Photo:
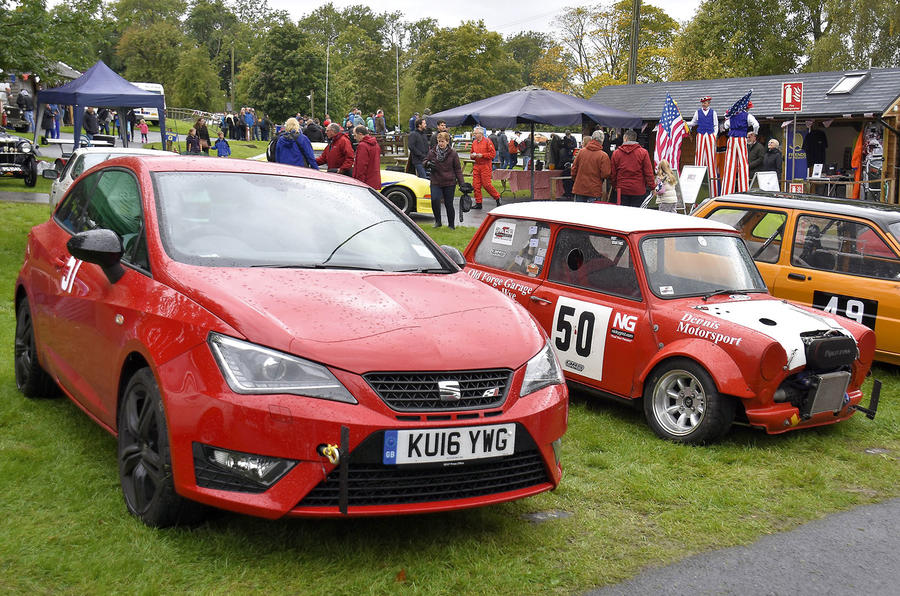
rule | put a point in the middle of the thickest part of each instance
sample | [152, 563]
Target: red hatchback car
[670, 310]
[278, 342]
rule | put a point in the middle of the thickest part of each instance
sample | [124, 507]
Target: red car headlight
[542, 371]
[252, 369]
[773, 360]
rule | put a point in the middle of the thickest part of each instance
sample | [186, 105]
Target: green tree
[82, 33]
[553, 70]
[151, 53]
[717, 44]
[599, 40]
[850, 35]
[25, 37]
[575, 24]
[212, 24]
[196, 84]
[462, 65]
[289, 66]
[527, 48]
[418, 33]
[328, 22]
[364, 73]
[129, 13]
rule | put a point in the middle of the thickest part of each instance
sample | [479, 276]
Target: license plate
[448, 444]
[10, 169]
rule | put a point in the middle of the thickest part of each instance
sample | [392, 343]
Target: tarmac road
[854, 553]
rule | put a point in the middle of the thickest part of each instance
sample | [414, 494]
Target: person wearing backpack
[502, 148]
[292, 147]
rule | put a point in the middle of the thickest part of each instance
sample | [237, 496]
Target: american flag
[740, 105]
[669, 134]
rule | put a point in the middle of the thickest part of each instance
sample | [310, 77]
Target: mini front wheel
[682, 404]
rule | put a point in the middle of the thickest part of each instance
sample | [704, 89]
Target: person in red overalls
[483, 153]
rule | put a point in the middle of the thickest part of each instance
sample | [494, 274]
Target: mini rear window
[515, 245]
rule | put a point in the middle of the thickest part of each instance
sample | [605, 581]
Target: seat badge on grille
[449, 390]
[494, 392]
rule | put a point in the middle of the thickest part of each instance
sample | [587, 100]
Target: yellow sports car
[407, 191]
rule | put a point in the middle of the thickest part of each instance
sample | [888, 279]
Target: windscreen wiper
[723, 291]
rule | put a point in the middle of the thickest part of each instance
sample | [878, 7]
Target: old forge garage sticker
[579, 336]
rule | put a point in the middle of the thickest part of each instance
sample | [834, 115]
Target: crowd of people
[608, 166]
[245, 125]
[94, 121]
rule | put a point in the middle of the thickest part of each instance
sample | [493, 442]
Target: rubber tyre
[31, 379]
[682, 404]
[31, 174]
[145, 463]
[401, 197]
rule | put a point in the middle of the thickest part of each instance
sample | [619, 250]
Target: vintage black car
[14, 118]
[17, 158]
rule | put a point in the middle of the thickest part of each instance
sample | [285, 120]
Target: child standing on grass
[223, 149]
[144, 130]
[192, 142]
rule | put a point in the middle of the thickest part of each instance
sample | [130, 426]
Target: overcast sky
[506, 18]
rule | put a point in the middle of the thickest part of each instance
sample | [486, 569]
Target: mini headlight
[249, 368]
[542, 371]
[25, 147]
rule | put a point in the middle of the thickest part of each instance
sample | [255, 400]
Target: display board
[767, 181]
[691, 180]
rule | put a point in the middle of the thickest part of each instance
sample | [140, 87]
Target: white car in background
[81, 160]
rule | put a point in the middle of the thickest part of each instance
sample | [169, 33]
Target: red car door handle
[797, 276]
[541, 300]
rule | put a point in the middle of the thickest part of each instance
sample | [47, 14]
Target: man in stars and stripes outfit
[706, 124]
[737, 122]
[669, 134]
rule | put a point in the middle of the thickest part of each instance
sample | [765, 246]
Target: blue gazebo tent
[99, 86]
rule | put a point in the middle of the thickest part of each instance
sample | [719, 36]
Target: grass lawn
[631, 501]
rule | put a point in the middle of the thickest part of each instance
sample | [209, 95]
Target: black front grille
[9, 153]
[378, 484]
[418, 391]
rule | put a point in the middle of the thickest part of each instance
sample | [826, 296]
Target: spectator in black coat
[91, 123]
[755, 155]
[774, 159]
[418, 149]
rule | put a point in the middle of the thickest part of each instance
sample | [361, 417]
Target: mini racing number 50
[579, 336]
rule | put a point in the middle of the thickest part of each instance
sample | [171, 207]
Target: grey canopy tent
[533, 105]
[99, 86]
